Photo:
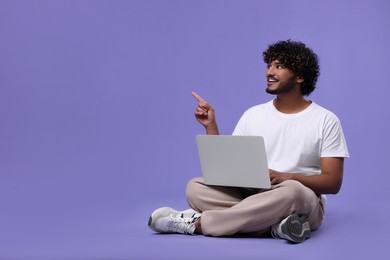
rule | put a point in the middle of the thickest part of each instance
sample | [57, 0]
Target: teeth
[272, 80]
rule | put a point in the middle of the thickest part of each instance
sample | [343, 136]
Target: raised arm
[205, 114]
[328, 182]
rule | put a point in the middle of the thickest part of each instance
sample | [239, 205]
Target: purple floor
[348, 233]
[351, 231]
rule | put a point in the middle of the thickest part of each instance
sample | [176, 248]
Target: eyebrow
[276, 63]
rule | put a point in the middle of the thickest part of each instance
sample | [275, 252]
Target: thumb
[204, 104]
[208, 107]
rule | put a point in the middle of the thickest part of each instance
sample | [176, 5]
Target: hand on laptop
[278, 177]
[205, 115]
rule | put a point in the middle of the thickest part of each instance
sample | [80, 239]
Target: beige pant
[229, 210]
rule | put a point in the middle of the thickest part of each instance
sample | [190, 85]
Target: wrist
[212, 129]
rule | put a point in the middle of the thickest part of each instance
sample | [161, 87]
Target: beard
[283, 87]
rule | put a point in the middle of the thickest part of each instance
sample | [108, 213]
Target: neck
[291, 104]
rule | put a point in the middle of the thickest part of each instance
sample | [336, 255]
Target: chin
[271, 91]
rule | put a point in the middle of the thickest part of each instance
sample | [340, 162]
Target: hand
[204, 113]
[278, 177]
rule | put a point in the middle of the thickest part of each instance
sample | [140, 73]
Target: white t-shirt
[295, 142]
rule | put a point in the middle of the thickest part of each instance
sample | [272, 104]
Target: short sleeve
[333, 144]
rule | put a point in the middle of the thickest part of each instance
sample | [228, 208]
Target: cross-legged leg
[202, 197]
[228, 211]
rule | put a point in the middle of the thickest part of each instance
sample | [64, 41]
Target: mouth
[271, 80]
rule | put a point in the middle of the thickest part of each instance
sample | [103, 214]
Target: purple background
[97, 126]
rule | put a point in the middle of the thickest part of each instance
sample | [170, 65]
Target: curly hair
[298, 58]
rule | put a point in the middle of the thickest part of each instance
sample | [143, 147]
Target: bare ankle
[198, 227]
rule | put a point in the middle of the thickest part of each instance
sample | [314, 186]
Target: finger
[198, 98]
[201, 109]
[201, 113]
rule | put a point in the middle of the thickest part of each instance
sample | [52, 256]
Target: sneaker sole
[165, 212]
[296, 228]
[161, 212]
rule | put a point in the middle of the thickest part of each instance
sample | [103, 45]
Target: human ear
[300, 79]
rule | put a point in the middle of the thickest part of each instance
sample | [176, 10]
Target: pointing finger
[199, 98]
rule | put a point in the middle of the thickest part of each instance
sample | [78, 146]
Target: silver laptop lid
[238, 161]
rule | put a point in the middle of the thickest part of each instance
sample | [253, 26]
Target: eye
[279, 66]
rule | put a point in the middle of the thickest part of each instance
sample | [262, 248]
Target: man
[305, 148]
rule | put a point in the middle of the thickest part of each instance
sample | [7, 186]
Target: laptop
[238, 161]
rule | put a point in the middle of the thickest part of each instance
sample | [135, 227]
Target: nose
[270, 71]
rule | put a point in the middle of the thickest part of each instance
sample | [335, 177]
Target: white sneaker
[293, 228]
[168, 220]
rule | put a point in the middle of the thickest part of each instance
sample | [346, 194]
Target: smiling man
[305, 148]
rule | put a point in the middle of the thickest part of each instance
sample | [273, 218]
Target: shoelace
[192, 216]
[183, 225]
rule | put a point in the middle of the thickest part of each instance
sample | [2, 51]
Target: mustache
[272, 78]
